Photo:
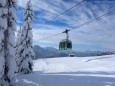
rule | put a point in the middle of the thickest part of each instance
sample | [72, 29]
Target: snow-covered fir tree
[18, 43]
[7, 41]
[25, 46]
[3, 27]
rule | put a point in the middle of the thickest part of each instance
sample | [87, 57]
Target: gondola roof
[65, 40]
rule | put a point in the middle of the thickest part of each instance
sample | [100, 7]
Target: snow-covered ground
[71, 71]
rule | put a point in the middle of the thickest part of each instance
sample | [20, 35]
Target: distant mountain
[49, 52]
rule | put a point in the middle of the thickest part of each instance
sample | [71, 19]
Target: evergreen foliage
[7, 41]
[25, 51]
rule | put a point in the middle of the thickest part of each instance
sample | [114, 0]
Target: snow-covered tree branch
[7, 41]
[25, 51]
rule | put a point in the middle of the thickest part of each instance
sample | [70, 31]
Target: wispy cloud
[99, 32]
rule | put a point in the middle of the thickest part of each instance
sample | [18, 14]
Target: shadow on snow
[42, 79]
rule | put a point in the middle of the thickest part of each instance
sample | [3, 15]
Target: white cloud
[99, 32]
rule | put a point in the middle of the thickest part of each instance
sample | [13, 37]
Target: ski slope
[71, 71]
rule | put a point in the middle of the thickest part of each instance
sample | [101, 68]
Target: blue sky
[97, 35]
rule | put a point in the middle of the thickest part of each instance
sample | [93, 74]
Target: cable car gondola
[65, 44]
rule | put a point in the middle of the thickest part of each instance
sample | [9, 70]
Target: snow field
[76, 64]
[71, 71]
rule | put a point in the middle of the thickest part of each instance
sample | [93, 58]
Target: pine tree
[7, 52]
[3, 27]
[25, 48]
[18, 43]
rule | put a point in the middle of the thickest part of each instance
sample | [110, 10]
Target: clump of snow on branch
[25, 51]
